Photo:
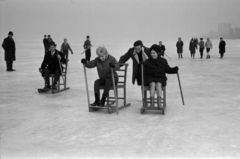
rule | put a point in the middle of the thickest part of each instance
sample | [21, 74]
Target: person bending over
[104, 62]
[51, 65]
[155, 69]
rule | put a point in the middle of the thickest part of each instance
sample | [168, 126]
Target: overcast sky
[115, 19]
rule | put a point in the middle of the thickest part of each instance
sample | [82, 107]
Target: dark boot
[159, 102]
[47, 86]
[152, 102]
[54, 86]
[104, 96]
[97, 100]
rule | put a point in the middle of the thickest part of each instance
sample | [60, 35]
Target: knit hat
[155, 47]
[137, 43]
[10, 33]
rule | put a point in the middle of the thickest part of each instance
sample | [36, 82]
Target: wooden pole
[180, 88]
[85, 75]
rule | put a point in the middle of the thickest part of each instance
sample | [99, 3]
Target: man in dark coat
[138, 53]
[51, 65]
[179, 46]
[46, 43]
[162, 48]
[222, 45]
[9, 48]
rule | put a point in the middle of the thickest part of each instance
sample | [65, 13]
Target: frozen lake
[34, 125]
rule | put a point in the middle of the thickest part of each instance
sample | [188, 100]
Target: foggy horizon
[116, 20]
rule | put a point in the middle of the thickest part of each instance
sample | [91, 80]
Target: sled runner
[112, 104]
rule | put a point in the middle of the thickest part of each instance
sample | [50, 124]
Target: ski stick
[180, 88]
[85, 75]
[167, 56]
[86, 49]
[61, 68]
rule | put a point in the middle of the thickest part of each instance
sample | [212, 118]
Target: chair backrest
[65, 68]
[122, 74]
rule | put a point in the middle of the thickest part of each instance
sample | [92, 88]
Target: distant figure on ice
[192, 48]
[104, 62]
[138, 53]
[222, 45]
[208, 46]
[179, 47]
[201, 47]
[87, 46]
[155, 69]
[162, 49]
[65, 47]
[50, 65]
[9, 48]
[196, 42]
[46, 44]
[49, 39]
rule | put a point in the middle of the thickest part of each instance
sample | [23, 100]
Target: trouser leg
[47, 75]
[8, 65]
[108, 85]
[97, 84]
[56, 76]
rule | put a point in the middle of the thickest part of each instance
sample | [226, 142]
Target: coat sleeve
[125, 57]
[70, 48]
[84, 45]
[63, 60]
[168, 69]
[114, 61]
[4, 44]
[44, 63]
[91, 64]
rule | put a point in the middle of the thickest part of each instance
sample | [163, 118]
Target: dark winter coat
[46, 44]
[179, 46]
[9, 48]
[103, 68]
[52, 62]
[155, 71]
[192, 47]
[136, 63]
[222, 45]
[162, 49]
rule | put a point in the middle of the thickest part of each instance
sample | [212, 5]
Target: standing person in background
[222, 45]
[49, 39]
[192, 48]
[201, 47]
[179, 47]
[45, 43]
[9, 48]
[208, 46]
[87, 44]
[162, 49]
[196, 42]
[138, 53]
[65, 47]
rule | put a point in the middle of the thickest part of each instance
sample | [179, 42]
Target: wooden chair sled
[60, 83]
[112, 104]
[146, 100]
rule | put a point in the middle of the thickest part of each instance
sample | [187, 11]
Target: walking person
[192, 48]
[65, 47]
[201, 47]
[10, 50]
[162, 49]
[87, 46]
[208, 46]
[45, 44]
[222, 45]
[179, 46]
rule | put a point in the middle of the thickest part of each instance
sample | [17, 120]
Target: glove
[112, 65]
[176, 69]
[84, 61]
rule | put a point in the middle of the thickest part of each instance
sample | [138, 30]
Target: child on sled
[155, 69]
[104, 62]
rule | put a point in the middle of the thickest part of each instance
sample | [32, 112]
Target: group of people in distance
[155, 69]
[193, 46]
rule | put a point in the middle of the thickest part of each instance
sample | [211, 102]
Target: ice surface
[34, 125]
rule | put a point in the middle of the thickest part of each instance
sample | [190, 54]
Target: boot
[152, 102]
[97, 102]
[159, 102]
[181, 55]
[47, 86]
[104, 96]
[54, 86]
[209, 56]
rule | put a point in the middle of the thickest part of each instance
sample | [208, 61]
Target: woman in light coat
[208, 46]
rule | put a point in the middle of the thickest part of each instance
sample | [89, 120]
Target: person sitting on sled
[104, 62]
[155, 69]
[51, 65]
